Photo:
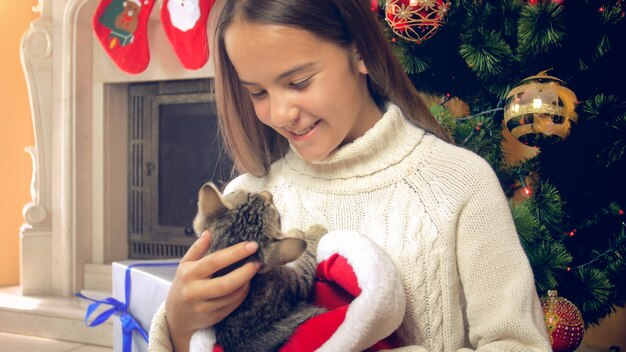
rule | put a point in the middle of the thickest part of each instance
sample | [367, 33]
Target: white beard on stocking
[184, 13]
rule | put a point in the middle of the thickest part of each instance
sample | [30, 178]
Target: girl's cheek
[262, 110]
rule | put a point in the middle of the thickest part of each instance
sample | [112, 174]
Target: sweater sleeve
[159, 334]
[503, 311]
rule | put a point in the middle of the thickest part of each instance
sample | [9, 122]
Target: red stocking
[185, 24]
[120, 26]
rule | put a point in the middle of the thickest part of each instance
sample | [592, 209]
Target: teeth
[305, 131]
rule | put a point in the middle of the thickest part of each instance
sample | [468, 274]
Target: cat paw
[316, 231]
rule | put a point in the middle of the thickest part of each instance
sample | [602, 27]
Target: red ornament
[416, 20]
[564, 322]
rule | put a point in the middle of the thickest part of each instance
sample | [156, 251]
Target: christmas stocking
[185, 24]
[120, 26]
[357, 282]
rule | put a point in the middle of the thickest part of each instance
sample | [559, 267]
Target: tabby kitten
[277, 300]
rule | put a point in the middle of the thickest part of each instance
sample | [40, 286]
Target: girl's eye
[257, 95]
[301, 84]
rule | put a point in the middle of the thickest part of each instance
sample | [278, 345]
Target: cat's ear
[284, 251]
[210, 201]
[267, 195]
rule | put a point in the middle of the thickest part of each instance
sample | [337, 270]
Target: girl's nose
[283, 112]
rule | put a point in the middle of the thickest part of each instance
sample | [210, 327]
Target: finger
[222, 304]
[218, 260]
[199, 248]
[221, 313]
[227, 284]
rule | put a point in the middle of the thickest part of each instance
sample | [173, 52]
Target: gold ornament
[416, 20]
[540, 111]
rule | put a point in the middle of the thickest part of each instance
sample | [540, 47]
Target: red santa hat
[361, 288]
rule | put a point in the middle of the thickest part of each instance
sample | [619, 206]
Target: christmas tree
[567, 201]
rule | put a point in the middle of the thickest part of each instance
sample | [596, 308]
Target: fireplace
[174, 148]
[78, 220]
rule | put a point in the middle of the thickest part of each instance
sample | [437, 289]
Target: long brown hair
[252, 144]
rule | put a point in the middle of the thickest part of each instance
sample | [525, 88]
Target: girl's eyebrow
[287, 73]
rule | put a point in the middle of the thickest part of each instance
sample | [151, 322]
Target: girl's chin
[311, 156]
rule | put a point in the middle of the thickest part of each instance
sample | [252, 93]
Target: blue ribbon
[129, 323]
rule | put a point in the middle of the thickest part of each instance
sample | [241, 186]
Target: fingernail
[204, 233]
[252, 246]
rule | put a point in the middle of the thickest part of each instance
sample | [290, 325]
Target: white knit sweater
[440, 213]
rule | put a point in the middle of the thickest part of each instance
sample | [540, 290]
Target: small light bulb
[515, 108]
[537, 103]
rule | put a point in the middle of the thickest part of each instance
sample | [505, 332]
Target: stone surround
[75, 226]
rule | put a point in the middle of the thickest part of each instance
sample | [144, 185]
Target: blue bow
[129, 323]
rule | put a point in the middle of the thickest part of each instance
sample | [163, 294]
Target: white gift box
[149, 282]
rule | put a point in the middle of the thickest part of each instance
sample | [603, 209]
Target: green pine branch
[606, 116]
[540, 27]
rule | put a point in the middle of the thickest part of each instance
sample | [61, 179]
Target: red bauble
[416, 20]
[564, 322]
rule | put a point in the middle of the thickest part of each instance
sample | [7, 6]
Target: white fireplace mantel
[77, 217]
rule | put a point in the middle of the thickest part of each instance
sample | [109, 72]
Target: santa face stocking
[120, 26]
[185, 24]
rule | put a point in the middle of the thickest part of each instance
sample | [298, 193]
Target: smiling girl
[315, 108]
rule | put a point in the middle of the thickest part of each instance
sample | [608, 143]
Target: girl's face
[311, 91]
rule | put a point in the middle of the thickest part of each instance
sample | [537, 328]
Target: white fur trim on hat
[378, 311]
[202, 340]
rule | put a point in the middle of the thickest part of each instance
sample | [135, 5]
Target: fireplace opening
[174, 148]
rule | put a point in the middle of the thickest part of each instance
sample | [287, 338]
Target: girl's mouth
[305, 130]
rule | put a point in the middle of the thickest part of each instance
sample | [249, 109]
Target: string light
[445, 98]
[479, 114]
[527, 191]
[374, 5]
[613, 249]
[525, 188]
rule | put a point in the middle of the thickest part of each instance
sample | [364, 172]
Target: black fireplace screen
[174, 148]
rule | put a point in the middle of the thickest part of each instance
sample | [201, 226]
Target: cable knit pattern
[439, 211]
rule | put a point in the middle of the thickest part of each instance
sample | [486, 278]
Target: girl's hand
[195, 299]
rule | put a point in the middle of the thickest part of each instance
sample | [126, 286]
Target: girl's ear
[358, 60]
